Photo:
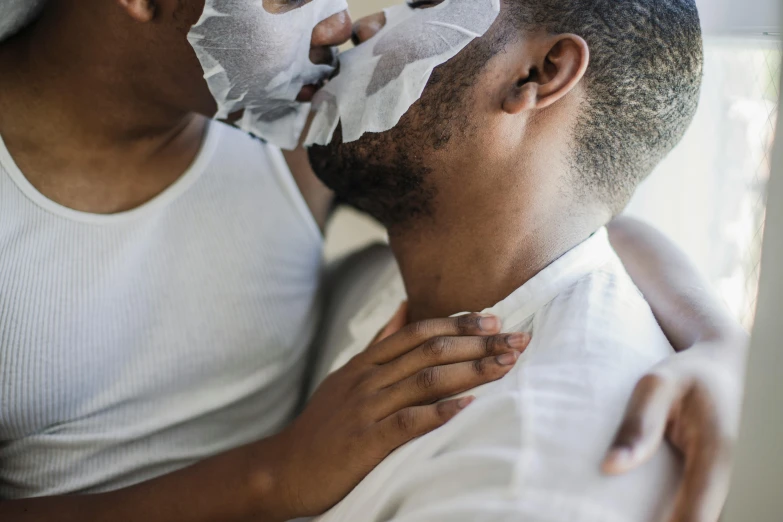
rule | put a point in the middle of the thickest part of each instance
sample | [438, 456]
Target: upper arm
[682, 300]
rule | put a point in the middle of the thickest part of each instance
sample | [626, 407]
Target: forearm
[681, 299]
[229, 487]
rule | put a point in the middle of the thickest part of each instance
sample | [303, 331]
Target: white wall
[758, 475]
[739, 16]
[361, 8]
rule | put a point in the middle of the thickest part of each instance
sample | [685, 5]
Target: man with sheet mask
[158, 275]
[538, 130]
[274, 65]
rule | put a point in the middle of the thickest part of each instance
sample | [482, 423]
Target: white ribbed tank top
[138, 343]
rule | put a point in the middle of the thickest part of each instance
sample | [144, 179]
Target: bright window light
[710, 194]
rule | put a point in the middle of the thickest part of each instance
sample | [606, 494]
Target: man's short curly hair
[642, 84]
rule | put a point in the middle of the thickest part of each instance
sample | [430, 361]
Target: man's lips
[308, 91]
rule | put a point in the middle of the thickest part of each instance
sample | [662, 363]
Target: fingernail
[618, 458]
[465, 402]
[518, 341]
[507, 359]
[489, 323]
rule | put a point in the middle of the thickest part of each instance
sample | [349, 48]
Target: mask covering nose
[257, 62]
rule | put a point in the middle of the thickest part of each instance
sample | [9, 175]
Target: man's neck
[469, 257]
[81, 132]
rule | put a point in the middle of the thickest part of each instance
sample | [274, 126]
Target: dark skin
[520, 105]
[146, 136]
[134, 106]
[104, 128]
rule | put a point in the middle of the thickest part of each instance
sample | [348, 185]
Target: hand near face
[693, 399]
[383, 398]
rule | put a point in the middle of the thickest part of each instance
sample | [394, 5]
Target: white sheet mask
[382, 78]
[16, 14]
[257, 61]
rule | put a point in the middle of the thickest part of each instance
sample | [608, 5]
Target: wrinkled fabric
[257, 62]
[382, 78]
[529, 448]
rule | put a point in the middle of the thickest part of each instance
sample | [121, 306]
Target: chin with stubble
[378, 174]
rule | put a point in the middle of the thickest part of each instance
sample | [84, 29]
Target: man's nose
[335, 30]
[367, 27]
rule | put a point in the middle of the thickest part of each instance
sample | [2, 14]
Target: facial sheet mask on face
[257, 61]
[382, 78]
[15, 14]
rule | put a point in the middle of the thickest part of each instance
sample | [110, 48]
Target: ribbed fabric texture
[136, 344]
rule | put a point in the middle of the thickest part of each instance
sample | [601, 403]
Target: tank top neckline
[167, 196]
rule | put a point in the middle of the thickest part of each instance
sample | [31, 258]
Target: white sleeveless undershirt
[135, 344]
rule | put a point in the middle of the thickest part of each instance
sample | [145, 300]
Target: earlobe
[140, 10]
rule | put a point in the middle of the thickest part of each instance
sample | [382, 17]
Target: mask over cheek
[16, 14]
[382, 78]
[257, 62]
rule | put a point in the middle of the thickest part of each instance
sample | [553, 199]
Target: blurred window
[709, 195]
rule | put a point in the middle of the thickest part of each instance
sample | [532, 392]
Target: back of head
[642, 85]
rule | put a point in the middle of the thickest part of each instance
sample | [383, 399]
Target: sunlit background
[710, 194]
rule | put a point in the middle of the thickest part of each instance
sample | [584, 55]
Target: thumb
[397, 322]
[642, 430]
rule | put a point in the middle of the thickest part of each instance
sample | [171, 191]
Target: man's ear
[555, 66]
[140, 10]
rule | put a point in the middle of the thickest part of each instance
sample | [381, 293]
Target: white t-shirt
[530, 447]
[135, 344]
